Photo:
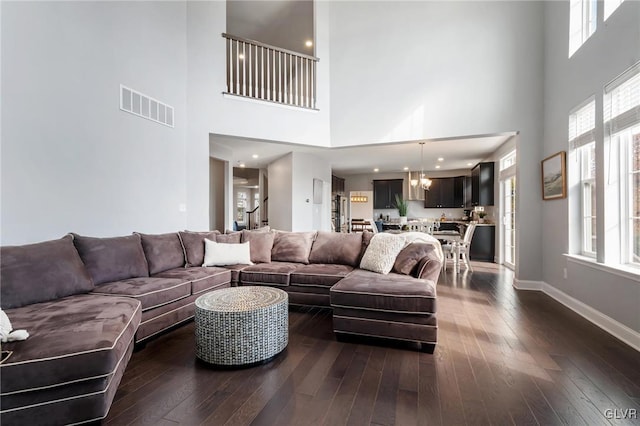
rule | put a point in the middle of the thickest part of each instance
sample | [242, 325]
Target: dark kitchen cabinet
[482, 178]
[337, 185]
[467, 192]
[445, 193]
[385, 191]
[483, 243]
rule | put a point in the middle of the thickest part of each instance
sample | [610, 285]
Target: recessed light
[405, 168]
[440, 159]
[469, 164]
[241, 165]
[438, 166]
[376, 170]
[254, 156]
[308, 43]
[241, 56]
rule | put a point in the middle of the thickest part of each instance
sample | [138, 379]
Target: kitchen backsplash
[417, 211]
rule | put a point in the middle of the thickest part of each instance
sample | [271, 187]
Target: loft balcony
[268, 73]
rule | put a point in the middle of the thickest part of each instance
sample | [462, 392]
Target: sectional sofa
[87, 301]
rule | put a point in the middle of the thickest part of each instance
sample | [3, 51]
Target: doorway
[508, 210]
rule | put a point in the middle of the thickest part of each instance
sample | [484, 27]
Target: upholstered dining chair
[459, 250]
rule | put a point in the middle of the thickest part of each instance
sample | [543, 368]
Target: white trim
[605, 322]
[628, 272]
[528, 285]
[419, 296]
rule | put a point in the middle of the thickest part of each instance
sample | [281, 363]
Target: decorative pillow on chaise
[382, 252]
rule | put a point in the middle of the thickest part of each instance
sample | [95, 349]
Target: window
[582, 22]
[582, 153]
[622, 125]
[241, 206]
[610, 6]
[508, 160]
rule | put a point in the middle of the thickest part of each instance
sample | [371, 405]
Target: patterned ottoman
[241, 325]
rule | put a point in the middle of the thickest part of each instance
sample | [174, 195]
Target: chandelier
[424, 182]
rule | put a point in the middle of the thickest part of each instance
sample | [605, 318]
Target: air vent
[146, 107]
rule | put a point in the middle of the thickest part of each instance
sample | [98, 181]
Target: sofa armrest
[429, 268]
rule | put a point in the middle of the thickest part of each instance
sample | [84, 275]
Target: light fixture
[308, 43]
[405, 168]
[437, 166]
[424, 182]
[469, 164]
[241, 165]
[254, 156]
[359, 198]
[376, 170]
[241, 56]
[440, 159]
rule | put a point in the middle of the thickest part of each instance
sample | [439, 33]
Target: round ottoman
[239, 326]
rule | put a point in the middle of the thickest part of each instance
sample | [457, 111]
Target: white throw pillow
[221, 254]
[382, 252]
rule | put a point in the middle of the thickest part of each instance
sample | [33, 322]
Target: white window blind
[622, 101]
[582, 124]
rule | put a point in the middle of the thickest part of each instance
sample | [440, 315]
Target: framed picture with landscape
[554, 177]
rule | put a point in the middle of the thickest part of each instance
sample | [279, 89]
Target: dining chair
[459, 250]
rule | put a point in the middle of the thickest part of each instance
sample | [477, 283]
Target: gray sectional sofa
[87, 301]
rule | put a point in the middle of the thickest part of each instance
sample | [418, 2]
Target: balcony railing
[260, 71]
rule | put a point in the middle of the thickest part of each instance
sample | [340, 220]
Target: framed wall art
[554, 176]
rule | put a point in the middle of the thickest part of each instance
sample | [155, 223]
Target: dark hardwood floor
[503, 357]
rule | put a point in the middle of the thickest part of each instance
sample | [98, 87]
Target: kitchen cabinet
[337, 185]
[467, 191]
[445, 193]
[482, 179]
[483, 243]
[385, 191]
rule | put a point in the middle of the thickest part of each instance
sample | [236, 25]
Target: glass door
[509, 221]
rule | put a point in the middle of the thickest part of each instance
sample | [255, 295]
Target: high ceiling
[456, 153]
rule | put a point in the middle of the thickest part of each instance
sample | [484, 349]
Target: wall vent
[145, 106]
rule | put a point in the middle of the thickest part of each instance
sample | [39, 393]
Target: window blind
[582, 124]
[622, 101]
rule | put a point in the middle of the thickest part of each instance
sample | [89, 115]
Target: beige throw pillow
[382, 252]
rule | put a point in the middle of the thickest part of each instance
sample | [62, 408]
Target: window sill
[628, 272]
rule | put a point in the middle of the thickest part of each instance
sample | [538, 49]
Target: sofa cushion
[201, 278]
[112, 259]
[409, 257]
[220, 254]
[150, 291]
[235, 271]
[231, 238]
[162, 251]
[70, 339]
[193, 244]
[292, 246]
[392, 292]
[336, 247]
[41, 272]
[382, 252]
[274, 273]
[261, 244]
[319, 275]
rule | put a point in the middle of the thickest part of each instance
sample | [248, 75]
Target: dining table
[452, 237]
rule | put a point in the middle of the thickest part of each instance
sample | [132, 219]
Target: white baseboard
[605, 322]
[528, 285]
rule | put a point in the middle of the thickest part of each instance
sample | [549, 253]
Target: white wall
[71, 160]
[280, 174]
[614, 47]
[211, 112]
[438, 69]
[291, 206]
